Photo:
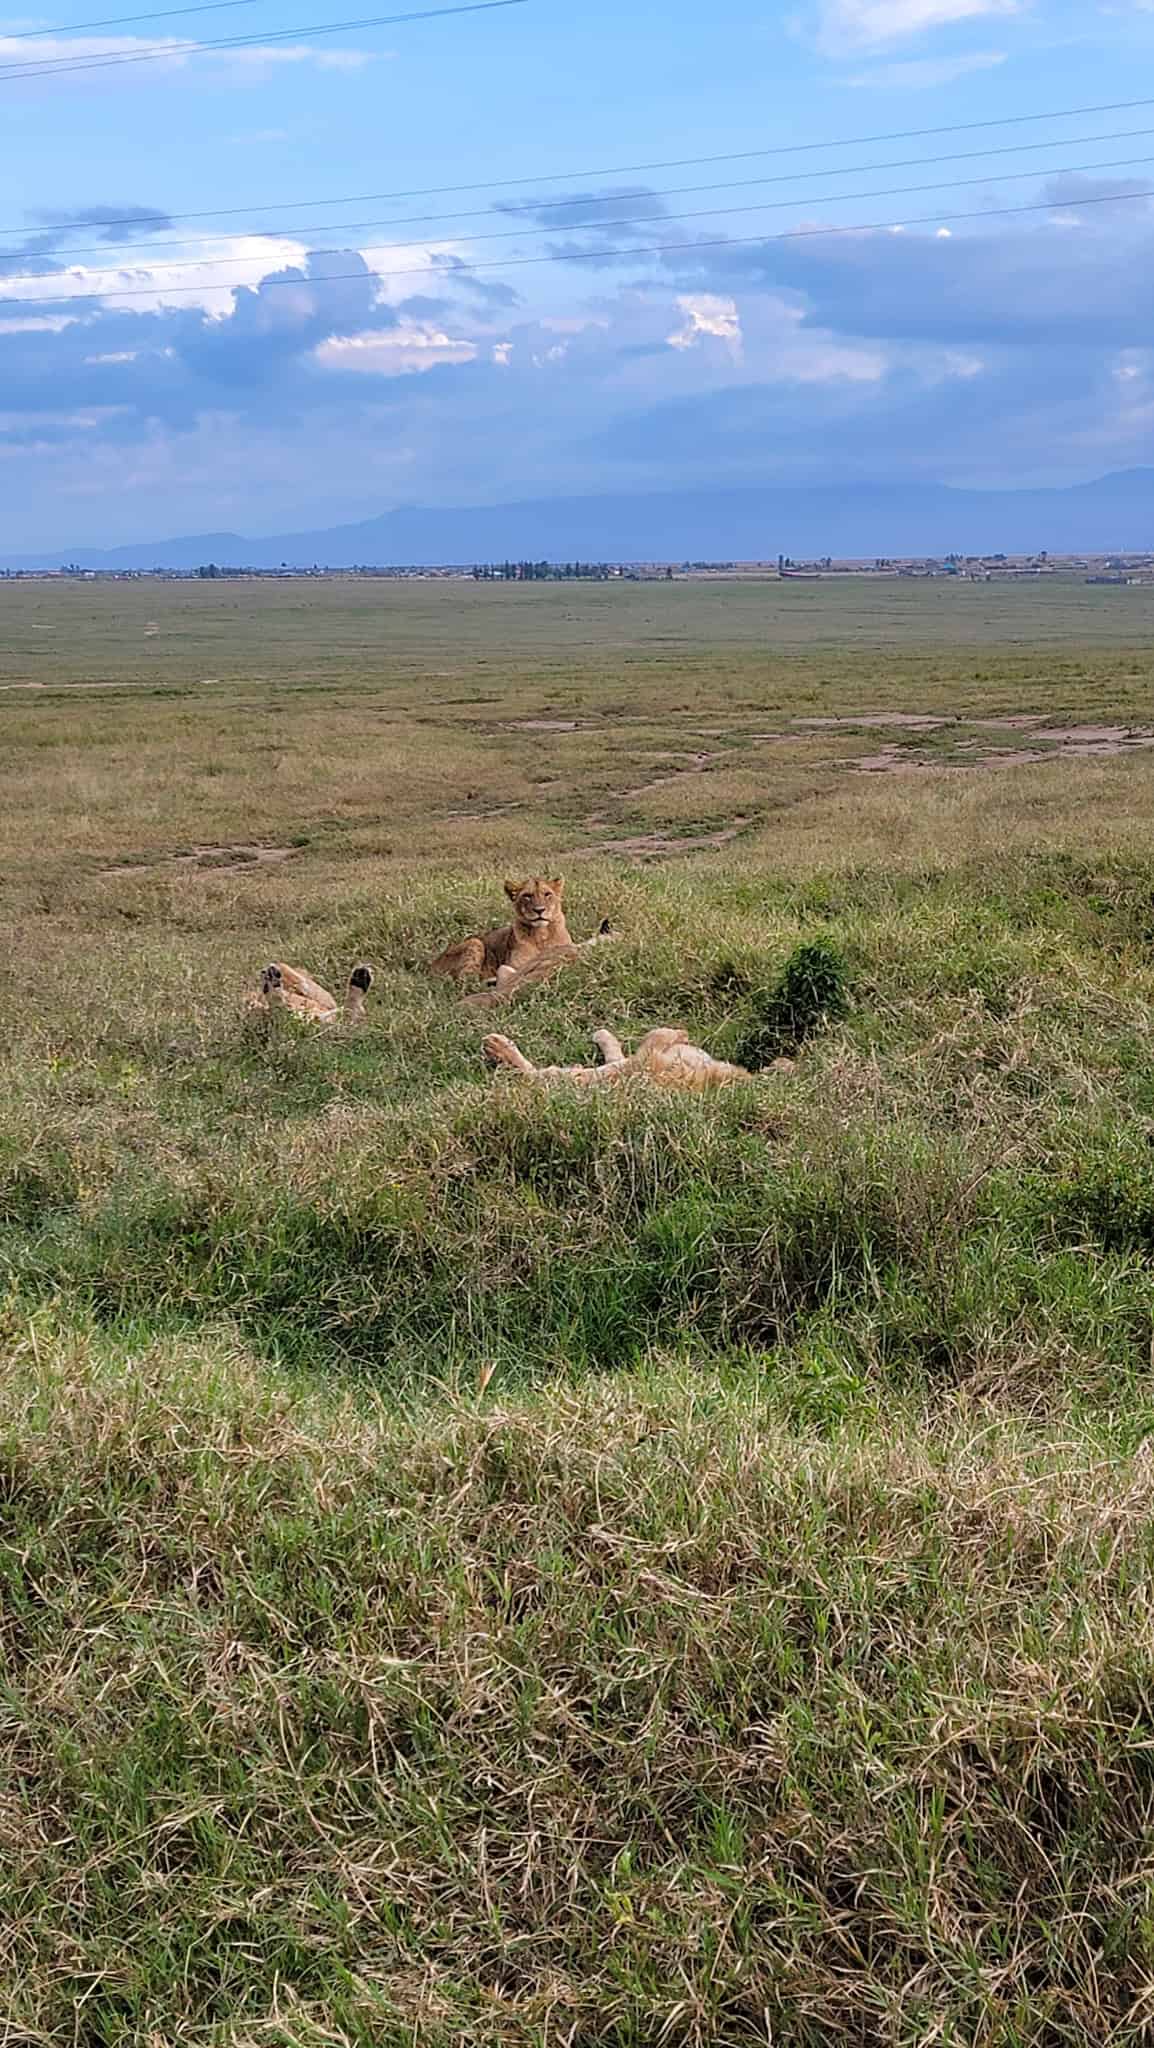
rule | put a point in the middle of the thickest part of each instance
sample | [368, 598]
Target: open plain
[509, 1568]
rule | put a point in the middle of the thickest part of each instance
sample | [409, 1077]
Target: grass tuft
[811, 994]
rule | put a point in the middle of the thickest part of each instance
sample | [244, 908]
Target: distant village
[1122, 570]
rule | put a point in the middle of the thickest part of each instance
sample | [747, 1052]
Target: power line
[73, 28]
[877, 227]
[333, 227]
[624, 170]
[634, 221]
[155, 53]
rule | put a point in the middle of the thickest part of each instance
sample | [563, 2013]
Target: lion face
[536, 902]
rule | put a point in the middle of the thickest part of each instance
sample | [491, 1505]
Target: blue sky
[195, 374]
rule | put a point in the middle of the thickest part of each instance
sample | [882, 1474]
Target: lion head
[536, 902]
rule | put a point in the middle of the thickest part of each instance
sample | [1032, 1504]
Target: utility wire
[212, 264]
[64, 257]
[74, 28]
[680, 163]
[155, 53]
[606, 256]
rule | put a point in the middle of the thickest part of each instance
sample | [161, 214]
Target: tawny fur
[538, 927]
[664, 1056]
[290, 988]
[512, 982]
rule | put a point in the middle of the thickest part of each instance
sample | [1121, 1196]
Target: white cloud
[707, 315]
[220, 268]
[99, 55]
[571, 323]
[395, 352]
[401, 271]
[196, 283]
[42, 323]
[769, 339]
[262, 55]
[846, 25]
[920, 74]
[82, 422]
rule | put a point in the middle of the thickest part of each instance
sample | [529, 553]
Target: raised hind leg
[610, 1047]
[504, 1053]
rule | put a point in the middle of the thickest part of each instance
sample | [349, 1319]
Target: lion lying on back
[291, 990]
[518, 955]
[664, 1056]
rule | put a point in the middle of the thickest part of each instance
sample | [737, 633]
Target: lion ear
[512, 891]
[558, 885]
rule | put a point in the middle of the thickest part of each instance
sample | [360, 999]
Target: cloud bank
[306, 385]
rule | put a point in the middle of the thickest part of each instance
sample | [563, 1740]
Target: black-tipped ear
[271, 978]
[558, 885]
[513, 890]
[604, 928]
[362, 978]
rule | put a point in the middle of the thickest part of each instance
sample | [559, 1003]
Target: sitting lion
[291, 989]
[664, 1056]
[520, 954]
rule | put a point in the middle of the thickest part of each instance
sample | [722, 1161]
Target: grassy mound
[649, 1712]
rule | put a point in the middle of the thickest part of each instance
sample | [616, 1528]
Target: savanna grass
[497, 1567]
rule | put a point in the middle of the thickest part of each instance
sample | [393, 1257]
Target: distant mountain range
[1113, 513]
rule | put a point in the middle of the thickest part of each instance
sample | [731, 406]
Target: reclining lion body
[521, 955]
[664, 1056]
[538, 928]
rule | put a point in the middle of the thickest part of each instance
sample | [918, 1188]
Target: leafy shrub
[812, 992]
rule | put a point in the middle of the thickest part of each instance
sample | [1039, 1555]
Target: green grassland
[533, 1571]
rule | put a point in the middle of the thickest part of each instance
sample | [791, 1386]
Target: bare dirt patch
[544, 725]
[1112, 739]
[649, 846]
[1031, 722]
[1060, 744]
[1038, 740]
[688, 764]
[212, 858]
[915, 721]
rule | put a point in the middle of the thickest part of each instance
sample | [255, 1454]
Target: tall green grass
[502, 1567]
[657, 1711]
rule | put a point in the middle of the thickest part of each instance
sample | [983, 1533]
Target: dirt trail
[216, 859]
[646, 846]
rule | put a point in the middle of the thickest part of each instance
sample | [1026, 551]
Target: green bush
[813, 992]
